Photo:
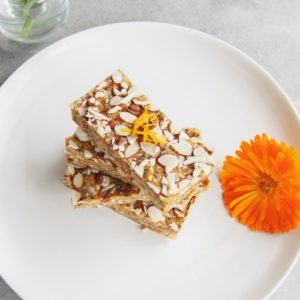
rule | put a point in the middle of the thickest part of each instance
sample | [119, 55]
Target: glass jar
[32, 21]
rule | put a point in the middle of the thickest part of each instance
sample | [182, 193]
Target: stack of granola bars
[131, 158]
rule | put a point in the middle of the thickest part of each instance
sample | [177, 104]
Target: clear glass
[32, 23]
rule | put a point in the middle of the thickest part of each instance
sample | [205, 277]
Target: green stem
[28, 22]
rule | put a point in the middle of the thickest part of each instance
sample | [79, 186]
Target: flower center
[266, 184]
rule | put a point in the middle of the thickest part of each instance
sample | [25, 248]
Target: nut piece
[127, 117]
[81, 135]
[150, 149]
[197, 172]
[122, 130]
[155, 214]
[114, 109]
[115, 100]
[183, 147]
[169, 161]
[174, 226]
[132, 149]
[73, 145]
[168, 135]
[71, 169]
[205, 168]
[88, 154]
[78, 180]
[183, 184]
[183, 136]
[75, 196]
[154, 187]
[174, 129]
[117, 77]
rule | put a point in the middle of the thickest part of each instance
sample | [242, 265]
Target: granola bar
[161, 160]
[121, 198]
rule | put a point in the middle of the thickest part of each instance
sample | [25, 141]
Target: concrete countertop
[268, 31]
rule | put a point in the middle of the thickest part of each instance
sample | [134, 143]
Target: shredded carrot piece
[144, 125]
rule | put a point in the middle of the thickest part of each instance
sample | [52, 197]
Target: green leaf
[26, 28]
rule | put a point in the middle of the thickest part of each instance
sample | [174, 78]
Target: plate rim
[181, 28]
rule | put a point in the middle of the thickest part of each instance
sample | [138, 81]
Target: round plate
[50, 251]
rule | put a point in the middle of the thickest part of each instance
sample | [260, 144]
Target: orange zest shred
[144, 125]
[261, 185]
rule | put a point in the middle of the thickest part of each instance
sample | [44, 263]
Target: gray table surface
[267, 30]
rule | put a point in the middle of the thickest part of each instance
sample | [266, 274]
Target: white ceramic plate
[50, 251]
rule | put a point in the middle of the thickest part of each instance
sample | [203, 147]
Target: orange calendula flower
[261, 185]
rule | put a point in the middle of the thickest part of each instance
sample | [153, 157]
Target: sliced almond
[81, 111]
[183, 184]
[150, 149]
[183, 147]
[168, 135]
[154, 187]
[127, 117]
[78, 180]
[115, 100]
[122, 148]
[131, 139]
[101, 85]
[179, 213]
[81, 135]
[100, 130]
[116, 91]
[114, 109]
[98, 150]
[132, 164]
[135, 89]
[138, 211]
[199, 152]
[173, 189]
[192, 160]
[197, 172]
[169, 161]
[124, 92]
[129, 97]
[207, 169]
[171, 179]
[139, 170]
[124, 85]
[183, 136]
[107, 129]
[132, 149]
[174, 226]
[164, 123]
[141, 102]
[122, 130]
[100, 94]
[97, 115]
[117, 77]
[75, 196]
[165, 180]
[155, 214]
[71, 169]
[88, 154]
[92, 100]
[158, 130]
[105, 181]
[91, 191]
[164, 190]
[73, 145]
[174, 129]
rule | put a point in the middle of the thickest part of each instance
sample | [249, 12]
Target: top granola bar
[164, 161]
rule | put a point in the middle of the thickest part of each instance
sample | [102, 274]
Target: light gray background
[267, 30]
